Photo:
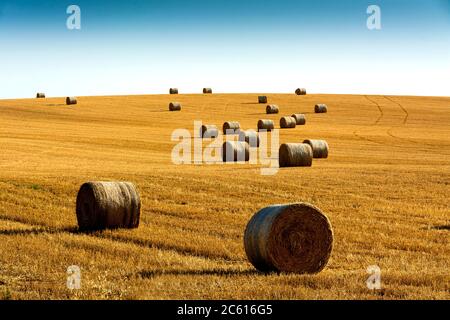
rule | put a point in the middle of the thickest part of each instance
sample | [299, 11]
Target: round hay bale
[209, 131]
[233, 151]
[300, 91]
[319, 148]
[251, 137]
[173, 90]
[231, 127]
[295, 155]
[40, 95]
[207, 90]
[71, 100]
[174, 106]
[300, 119]
[287, 122]
[295, 238]
[108, 205]
[265, 124]
[272, 109]
[262, 99]
[320, 108]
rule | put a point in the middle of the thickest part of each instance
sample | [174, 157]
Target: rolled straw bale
[320, 108]
[233, 151]
[174, 106]
[272, 109]
[265, 124]
[251, 137]
[262, 99]
[319, 148]
[295, 238]
[295, 155]
[300, 119]
[207, 90]
[108, 205]
[300, 91]
[287, 122]
[40, 95]
[231, 127]
[209, 131]
[173, 90]
[71, 100]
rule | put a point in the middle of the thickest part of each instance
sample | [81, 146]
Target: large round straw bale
[40, 95]
[233, 151]
[209, 131]
[320, 108]
[251, 137]
[108, 205]
[71, 100]
[295, 155]
[231, 127]
[296, 238]
[173, 90]
[174, 106]
[300, 119]
[265, 124]
[207, 90]
[262, 99]
[272, 109]
[287, 122]
[319, 148]
[300, 91]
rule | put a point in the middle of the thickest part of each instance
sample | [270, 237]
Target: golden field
[385, 189]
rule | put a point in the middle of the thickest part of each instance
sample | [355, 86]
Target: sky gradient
[147, 46]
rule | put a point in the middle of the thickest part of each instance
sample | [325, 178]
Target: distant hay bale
[320, 108]
[207, 90]
[209, 131]
[108, 205]
[319, 148]
[173, 90]
[265, 124]
[71, 100]
[231, 127]
[174, 106]
[300, 91]
[295, 155]
[272, 109]
[300, 119]
[251, 137]
[262, 99]
[294, 238]
[233, 151]
[40, 95]
[287, 122]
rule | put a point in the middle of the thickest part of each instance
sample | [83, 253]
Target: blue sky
[140, 47]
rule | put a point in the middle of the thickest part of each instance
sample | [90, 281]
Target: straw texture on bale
[300, 119]
[251, 137]
[108, 205]
[319, 148]
[272, 109]
[207, 90]
[295, 155]
[287, 122]
[174, 106]
[262, 99]
[231, 127]
[320, 108]
[233, 151]
[40, 95]
[300, 91]
[267, 125]
[173, 90]
[71, 100]
[209, 131]
[294, 238]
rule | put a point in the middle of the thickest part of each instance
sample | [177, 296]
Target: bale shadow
[442, 227]
[37, 231]
[55, 104]
[149, 274]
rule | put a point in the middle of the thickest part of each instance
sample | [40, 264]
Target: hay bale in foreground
[173, 90]
[272, 109]
[319, 148]
[300, 91]
[174, 106]
[251, 137]
[209, 131]
[320, 108]
[300, 119]
[40, 95]
[233, 151]
[296, 238]
[207, 90]
[295, 155]
[265, 124]
[71, 100]
[231, 127]
[108, 205]
[287, 122]
[262, 99]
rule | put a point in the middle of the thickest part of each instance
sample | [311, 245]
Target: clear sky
[147, 46]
